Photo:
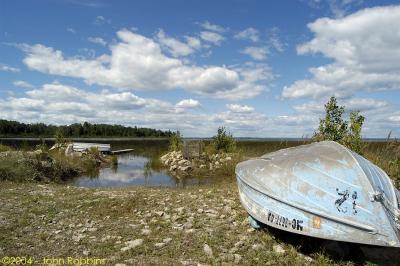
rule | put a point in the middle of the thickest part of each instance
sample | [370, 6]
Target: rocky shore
[146, 226]
[177, 164]
[135, 226]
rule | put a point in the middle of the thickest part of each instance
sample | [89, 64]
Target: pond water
[136, 170]
[142, 167]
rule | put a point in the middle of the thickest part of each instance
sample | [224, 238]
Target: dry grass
[387, 156]
[49, 166]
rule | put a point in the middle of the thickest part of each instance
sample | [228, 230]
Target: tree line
[17, 129]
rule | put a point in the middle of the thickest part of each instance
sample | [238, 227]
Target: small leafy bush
[60, 138]
[334, 127]
[175, 141]
[223, 141]
[14, 167]
[93, 151]
[353, 136]
[42, 146]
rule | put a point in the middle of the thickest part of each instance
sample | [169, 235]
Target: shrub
[223, 141]
[42, 146]
[5, 148]
[60, 138]
[334, 127]
[93, 151]
[353, 137]
[14, 167]
[175, 141]
[20, 166]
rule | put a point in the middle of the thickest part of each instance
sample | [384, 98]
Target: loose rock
[238, 258]
[278, 249]
[208, 250]
[167, 240]
[132, 244]
[159, 245]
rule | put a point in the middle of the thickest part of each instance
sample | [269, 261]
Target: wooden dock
[121, 151]
[84, 146]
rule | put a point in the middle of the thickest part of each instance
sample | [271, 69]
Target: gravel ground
[139, 226]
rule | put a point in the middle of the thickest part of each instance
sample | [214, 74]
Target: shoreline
[149, 226]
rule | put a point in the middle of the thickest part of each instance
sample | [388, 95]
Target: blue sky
[260, 68]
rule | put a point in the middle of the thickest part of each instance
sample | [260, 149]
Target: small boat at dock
[321, 190]
[121, 151]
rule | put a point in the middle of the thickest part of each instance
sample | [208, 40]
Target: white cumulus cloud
[193, 42]
[187, 103]
[237, 108]
[365, 48]
[248, 34]
[174, 46]
[211, 37]
[212, 27]
[138, 63]
[257, 53]
[275, 40]
[63, 104]
[97, 40]
[22, 84]
[71, 30]
[351, 104]
[8, 68]
[100, 20]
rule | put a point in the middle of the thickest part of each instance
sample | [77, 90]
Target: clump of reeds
[387, 156]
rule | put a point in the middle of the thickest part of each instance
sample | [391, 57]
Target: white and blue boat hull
[321, 190]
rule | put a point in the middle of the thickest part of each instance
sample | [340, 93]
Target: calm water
[142, 167]
[136, 170]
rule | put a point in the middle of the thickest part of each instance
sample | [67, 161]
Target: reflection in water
[136, 170]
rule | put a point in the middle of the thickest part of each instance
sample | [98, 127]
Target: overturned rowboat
[322, 190]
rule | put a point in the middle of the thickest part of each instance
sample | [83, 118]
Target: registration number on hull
[285, 222]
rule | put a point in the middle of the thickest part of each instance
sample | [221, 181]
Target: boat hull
[282, 212]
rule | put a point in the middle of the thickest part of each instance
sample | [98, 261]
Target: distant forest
[17, 129]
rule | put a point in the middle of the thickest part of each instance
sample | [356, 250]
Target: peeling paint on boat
[322, 190]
